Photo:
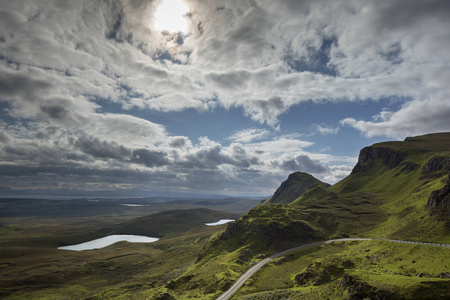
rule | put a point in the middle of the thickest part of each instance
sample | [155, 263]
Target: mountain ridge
[293, 187]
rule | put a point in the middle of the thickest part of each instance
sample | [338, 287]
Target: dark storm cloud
[102, 149]
[14, 85]
[150, 158]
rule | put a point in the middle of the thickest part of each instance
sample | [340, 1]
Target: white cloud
[249, 135]
[414, 118]
[324, 129]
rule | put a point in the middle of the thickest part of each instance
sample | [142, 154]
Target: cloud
[305, 164]
[337, 172]
[324, 129]
[150, 158]
[414, 118]
[249, 135]
[265, 110]
[101, 149]
[98, 48]
[179, 142]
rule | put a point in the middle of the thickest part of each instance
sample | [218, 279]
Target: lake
[220, 222]
[109, 240]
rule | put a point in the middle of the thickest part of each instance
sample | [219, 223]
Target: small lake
[133, 205]
[220, 222]
[109, 240]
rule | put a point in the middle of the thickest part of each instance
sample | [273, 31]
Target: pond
[220, 222]
[109, 240]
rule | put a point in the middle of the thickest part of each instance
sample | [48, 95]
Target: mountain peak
[296, 184]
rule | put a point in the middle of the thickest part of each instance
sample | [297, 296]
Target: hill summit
[296, 184]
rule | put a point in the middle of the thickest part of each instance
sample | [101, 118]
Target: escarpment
[439, 201]
[436, 164]
[391, 158]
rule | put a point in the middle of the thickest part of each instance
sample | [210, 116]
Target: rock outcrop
[391, 158]
[296, 184]
[436, 164]
[439, 201]
[272, 232]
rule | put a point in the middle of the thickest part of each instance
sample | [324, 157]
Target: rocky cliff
[437, 164]
[296, 184]
[391, 158]
[439, 201]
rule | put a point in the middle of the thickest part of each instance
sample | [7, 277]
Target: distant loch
[220, 222]
[109, 240]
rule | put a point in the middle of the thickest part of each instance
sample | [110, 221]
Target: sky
[100, 96]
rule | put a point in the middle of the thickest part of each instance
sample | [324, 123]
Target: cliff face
[439, 201]
[296, 184]
[391, 158]
[437, 164]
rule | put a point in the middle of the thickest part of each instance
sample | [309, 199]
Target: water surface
[220, 222]
[109, 240]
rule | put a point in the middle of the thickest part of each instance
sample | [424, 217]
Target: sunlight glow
[170, 16]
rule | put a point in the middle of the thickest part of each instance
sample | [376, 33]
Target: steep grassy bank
[386, 196]
[355, 270]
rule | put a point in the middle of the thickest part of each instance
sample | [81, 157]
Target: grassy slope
[388, 203]
[379, 202]
[408, 271]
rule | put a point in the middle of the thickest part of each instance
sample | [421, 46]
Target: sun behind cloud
[171, 16]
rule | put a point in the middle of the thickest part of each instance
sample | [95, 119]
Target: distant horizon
[93, 196]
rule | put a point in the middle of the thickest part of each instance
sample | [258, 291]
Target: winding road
[265, 261]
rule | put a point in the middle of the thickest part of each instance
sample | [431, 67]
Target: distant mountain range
[7, 192]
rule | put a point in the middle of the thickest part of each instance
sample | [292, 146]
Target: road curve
[263, 262]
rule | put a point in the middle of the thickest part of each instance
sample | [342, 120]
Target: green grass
[383, 265]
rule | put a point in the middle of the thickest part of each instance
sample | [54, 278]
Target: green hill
[396, 190]
[296, 184]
